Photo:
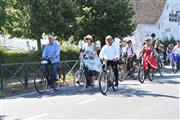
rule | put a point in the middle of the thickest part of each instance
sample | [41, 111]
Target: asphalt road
[159, 99]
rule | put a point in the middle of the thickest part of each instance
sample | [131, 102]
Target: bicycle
[123, 72]
[107, 79]
[175, 63]
[81, 76]
[142, 73]
[160, 63]
[43, 78]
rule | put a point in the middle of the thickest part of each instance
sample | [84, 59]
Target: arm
[117, 53]
[45, 52]
[102, 52]
[141, 52]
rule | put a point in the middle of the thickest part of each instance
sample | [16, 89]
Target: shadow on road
[127, 91]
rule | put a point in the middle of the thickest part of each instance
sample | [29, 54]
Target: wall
[163, 28]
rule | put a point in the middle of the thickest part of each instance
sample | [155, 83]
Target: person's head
[129, 42]
[109, 40]
[148, 41]
[178, 43]
[51, 39]
[89, 39]
[170, 45]
[157, 43]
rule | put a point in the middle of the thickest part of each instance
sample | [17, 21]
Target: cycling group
[114, 63]
[105, 67]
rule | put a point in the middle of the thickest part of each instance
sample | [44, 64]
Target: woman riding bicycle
[147, 52]
[90, 59]
[158, 47]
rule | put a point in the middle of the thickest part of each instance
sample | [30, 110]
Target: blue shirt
[52, 52]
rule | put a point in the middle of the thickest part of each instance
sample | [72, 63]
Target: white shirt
[130, 51]
[176, 50]
[82, 44]
[109, 52]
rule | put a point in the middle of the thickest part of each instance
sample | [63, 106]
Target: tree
[35, 17]
[104, 17]
[3, 12]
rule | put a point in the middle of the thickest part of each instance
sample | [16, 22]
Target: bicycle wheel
[103, 83]
[122, 72]
[57, 83]
[80, 81]
[174, 67]
[134, 72]
[151, 74]
[40, 82]
[141, 74]
[161, 68]
[115, 88]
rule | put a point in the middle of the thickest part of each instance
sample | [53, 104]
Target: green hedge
[7, 56]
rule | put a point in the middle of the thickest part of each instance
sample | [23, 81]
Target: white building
[158, 17]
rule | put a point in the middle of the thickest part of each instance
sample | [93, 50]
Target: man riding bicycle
[130, 54]
[110, 52]
[51, 52]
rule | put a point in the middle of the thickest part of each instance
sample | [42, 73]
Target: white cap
[109, 37]
[148, 38]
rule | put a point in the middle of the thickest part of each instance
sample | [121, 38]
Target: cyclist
[148, 57]
[110, 52]
[130, 54]
[91, 61]
[158, 48]
[51, 52]
[176, 49]
[82, 44]
[169, 51]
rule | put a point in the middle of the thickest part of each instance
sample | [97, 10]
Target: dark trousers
[130, 62]
[114, 65]
[53, 70]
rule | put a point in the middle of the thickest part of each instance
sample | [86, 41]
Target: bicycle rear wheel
[40, 82]
[80, 81]
[103, 83]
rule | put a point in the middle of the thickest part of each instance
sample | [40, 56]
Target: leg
[114, 65]
[54, 71]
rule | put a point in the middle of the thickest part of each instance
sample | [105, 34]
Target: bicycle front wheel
[151, 74]
[134, 72]
[174, 67]
[40, 82]
[141, 74]
[57, 83]
[103, 83]
[161, 68]
[80, 81]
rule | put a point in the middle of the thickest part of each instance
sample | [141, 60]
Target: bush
[68, 52]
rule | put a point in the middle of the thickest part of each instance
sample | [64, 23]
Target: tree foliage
[104, 17]
[65, 18]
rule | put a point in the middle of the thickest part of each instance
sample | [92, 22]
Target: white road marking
[36, 117]
[87, 101]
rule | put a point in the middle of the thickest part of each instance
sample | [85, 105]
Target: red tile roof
[147, 11]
